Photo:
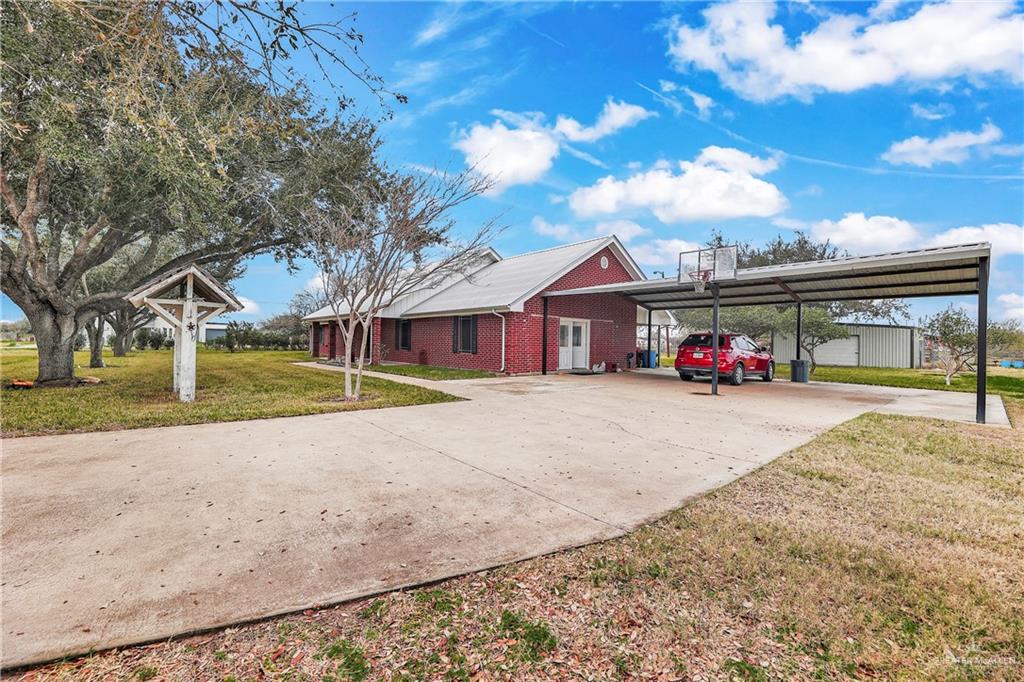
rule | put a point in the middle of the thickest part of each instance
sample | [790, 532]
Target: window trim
[459, 344]
[399, 324]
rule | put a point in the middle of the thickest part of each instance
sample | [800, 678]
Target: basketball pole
[714, 339]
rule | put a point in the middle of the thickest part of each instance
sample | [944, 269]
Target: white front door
[573, 344]
[580, 343]
[564, 348]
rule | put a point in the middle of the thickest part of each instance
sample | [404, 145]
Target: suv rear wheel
[769, 373]
[736, 378]
[686, 377]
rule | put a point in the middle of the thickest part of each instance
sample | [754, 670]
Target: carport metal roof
[960, 269]
[940, 271]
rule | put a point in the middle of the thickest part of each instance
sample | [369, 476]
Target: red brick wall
[612, 317]
[612, 328]
[432, 343]
[331, 331]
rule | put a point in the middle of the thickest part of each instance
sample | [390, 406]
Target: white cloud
[440, 25]
[933, 113]
[1005, 238]
[862, 234]
[812, 190]
[847, 51]
[249, 306]
[859, 233]
[560, 231]
[1013, 306]
[731, 159]
[625, 230]
[719, 184]
[519, 148]
[661, 251]
[955, 147]
[613, 117]
[583, 156]
[702, 102]
[512, 156]
[415, 74]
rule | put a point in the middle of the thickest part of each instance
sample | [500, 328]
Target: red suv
[738, 358]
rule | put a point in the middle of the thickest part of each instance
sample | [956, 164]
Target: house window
[403, 335]
[323, 335]
[464, 334]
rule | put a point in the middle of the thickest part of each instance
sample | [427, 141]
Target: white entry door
[564, 347]
[573, 344]
[580, 343]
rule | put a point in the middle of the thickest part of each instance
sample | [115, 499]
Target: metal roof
[508, 283]
[939, 271]
[412, 298]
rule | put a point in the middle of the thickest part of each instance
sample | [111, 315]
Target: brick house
[492, 317]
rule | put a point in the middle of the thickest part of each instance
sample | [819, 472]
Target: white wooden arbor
[185, 298]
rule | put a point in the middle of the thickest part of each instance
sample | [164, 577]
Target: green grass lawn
[1001, 380]
[888, 548]
[136, 392]
[432, 372]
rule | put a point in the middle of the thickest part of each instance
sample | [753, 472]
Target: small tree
[1006, 339]
[817, 328]
[386, 238]
[956, 336]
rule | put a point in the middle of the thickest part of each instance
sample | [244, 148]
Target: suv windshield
[702, 340]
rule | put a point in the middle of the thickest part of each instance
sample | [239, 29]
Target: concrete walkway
[122, 537]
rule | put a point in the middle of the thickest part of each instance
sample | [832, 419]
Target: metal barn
[868, 345]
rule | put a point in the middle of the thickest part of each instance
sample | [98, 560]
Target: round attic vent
[604, 262]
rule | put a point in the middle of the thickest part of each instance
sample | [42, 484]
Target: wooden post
[189, 331]
[176, 337]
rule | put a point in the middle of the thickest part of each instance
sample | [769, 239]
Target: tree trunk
[364, 334]
[55, 340]
[94, 330]
[122, 342]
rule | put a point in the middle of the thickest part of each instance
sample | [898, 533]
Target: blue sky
[882, 126]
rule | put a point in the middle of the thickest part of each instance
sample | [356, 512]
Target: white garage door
[839, 352]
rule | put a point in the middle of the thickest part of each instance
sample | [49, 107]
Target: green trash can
[800, 370]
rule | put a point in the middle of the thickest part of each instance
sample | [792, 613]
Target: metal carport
[941, 271]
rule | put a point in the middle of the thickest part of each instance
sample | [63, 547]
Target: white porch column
[176, 336]
[189, 333]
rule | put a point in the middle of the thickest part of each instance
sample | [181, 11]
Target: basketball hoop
[700, 279]
[713, 264]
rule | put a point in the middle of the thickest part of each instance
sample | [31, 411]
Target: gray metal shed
[868, 345]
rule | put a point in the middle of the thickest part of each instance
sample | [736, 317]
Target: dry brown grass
[882, 549]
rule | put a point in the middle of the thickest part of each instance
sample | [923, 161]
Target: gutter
[502, 339]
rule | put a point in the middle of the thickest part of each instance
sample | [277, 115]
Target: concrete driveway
[123, 537]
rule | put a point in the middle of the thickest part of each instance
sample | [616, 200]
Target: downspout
[502, 339]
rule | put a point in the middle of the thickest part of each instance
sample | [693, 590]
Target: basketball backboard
[707, 265]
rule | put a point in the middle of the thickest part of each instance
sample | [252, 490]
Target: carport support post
[799, 326]
[714, 339]
[544, 339]
[648, 334]
[982, 374]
